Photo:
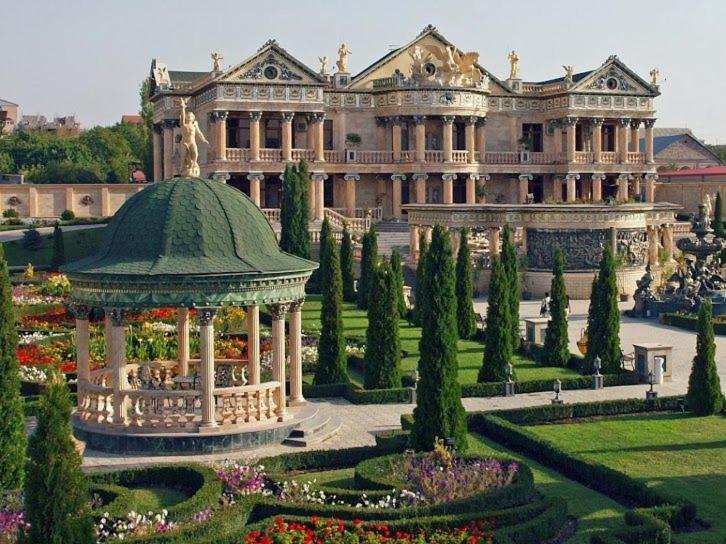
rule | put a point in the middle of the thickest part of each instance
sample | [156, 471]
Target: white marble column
[396, 138]
[219, 121]
[116, 360]
[649, 154]
[255, 178]
[623, 126]
[470, 138]
[168, 144]
[650, 180]
[471, 180]
[420, 188]
[277, 311]
[413, 233]
[287, 117]
[597, 123]
[570, 124]
[396, 182]
[623, 180]
[420, 121]
[253, 344]
[634, 138]
[296, 379]
[448, 181]
[182, 335]
[668, 245]
[523, 188]
[447, 128]
[206, 365]
[597, 180]
[652, 232]
[572, 186]
[318, 189]
[350, 183]
[158, 153]
[481, 138]
[493, 236]
[255, 117]
[318, 120]
[83, 339]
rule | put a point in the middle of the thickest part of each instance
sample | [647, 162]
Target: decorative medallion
[271, 68]
[14, 201]
[87, 200]
[612, 80]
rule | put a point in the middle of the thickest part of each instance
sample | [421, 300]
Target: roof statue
[161, 75]
[707, 204]
[654, 73]
[569, 71]
[342, 63]
[513, 65]
[323, 65]
[457, 69]
[190, 132]
[216, 57]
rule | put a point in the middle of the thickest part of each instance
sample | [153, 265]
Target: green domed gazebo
[186, 243]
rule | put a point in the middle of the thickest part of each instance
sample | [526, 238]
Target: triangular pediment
[271, 64]
[616, 78]
[429, 45]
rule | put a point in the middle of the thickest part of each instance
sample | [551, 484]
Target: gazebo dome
[188, 242]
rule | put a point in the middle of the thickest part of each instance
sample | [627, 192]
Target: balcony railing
[583, 157]
[307, 154]
[355, 225]
[272, 214]
[374, 157]
[636, 157]
[237, 154]
[408, 156]
[334, 155]
[608, 157]
[376, 214]
[434, 155]
[270, 155]
[459, 156]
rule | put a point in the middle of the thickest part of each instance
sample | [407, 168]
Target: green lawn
[470, 351]
[680, 454]
[155, 498]
[77, 244]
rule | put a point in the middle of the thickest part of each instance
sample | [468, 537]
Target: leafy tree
[556, 346]
[704, 386]
[59, 254]
[12, 422]
[346, 266]
[420, 298]
[294, 237]
[465, 320]
[439, 412]
[397, 269]
[368, 263]
[511, 269]
[56, 490]
[603, 333]
[498, 343]
[332, 363]
[718, 224]
[383, 346]
[7, 165]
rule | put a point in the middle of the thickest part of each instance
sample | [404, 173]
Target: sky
[88, 57]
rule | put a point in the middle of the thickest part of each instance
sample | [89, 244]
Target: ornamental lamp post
[651, 394]
[597, 378]
[557, 388]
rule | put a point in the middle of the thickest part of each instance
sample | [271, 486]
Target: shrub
[704, 387]
[59, 254]
[690, 322]
[10, 213]
[67, 215]
[32, 240]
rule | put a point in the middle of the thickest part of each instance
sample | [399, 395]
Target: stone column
[83, 339]
[652, 245]
[296, 379]
[255, 117]
[571, 127]
[470, 138]
[448, 134]
[277, 311]
[206, 365]
[396, 138]
[318, 186]
[482, 182]
[636, 185]
[493, 235]
[182, 336]
[649, 153]
[381, 124]
[255, 178]
[420, 121]
[350, 182]
[420, 188]
[455, 241]
[116, 359]
[219, 142]
[597, 180]
[169, 125]
[396, 182]
[524, 180]
[448, 188]
[668, 244]
[572, 186]
[158, 153]
[287, 117]
[557, 188]
[556, 135]
[597, 123]
[481, 138]
[471, 180]
[650, 180]
[253, 345]
[623, 187]
[634, 138]
[623, 139]
[413, 236]
[319, 147]
[105, 202]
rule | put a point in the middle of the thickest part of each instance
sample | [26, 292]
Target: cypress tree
[302, 216]
[326, 233]
[368, 263]
[718, 227]
[332, 363]
[12, 422]
[704, 386]
[397, 269]
[511, 269]
[594, 338]
[383, 346]
[288, 207]
[56, 490]
[465, 320]
[439, 412]
[346, 266]
[556, 346]
[498, 343]
[604, 336]
[59, 254]
[420, 298]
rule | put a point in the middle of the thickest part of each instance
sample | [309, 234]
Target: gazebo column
[206, 364]
[413, 232]
[182, 336]
[253, 344]
[277, 311]
[493, 235]
[255, 178]
[116, 359]
[296, 394]
[83, 338]
[597, 180]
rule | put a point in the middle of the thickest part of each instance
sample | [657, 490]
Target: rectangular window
[328, 134]
[532, 136]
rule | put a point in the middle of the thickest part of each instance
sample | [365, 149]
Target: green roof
[184, 232]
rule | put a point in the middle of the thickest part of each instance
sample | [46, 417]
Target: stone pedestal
[597, 381]
[655, 358]
[536, 329]
[509, 388]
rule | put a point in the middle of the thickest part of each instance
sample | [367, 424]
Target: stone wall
[579, 284]
[689, 191]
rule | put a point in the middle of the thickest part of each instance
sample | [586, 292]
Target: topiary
[368, 263]
[465, 319]
[704, 386]
[498, 349]
[32, 240]
[346, 265]
[556, 345]
[383, 345]
[511, 273]
[68, 215]
[397, 269]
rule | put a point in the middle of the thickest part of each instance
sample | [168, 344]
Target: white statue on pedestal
[190, 132]
[323, 65]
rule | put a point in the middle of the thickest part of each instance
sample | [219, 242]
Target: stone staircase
[393, 235]
[314, 430]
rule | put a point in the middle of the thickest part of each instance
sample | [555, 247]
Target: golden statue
[216, 57]
[654, 73]
[513, 65]
[190, 132]
[342, 63]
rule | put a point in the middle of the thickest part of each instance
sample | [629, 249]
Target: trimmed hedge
[690, 322]
[356, 395]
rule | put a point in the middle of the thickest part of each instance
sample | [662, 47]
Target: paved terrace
[360, 423]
